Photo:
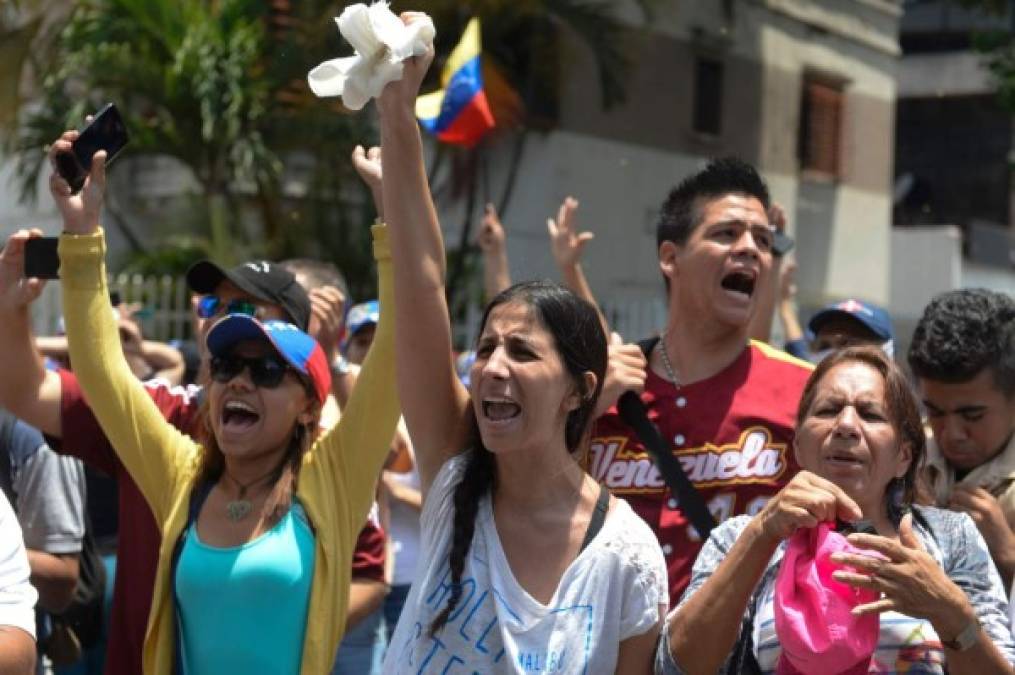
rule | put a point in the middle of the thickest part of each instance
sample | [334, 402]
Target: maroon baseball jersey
[733, 435]
[371, 552]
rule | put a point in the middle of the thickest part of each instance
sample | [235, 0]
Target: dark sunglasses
[265, 371]
[211, 305]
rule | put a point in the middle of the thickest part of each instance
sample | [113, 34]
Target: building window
[820, 127]
[708, 96]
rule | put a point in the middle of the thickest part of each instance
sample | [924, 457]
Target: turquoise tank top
[243, 609]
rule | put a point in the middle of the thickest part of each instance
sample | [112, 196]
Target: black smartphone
[106, 132]
[782, 243]
[41, 259]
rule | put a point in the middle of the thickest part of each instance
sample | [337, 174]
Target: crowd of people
[338, 491]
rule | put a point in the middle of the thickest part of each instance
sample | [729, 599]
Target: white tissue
[381, 42]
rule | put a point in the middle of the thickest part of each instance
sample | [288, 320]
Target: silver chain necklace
[238, 509]
[666, 361]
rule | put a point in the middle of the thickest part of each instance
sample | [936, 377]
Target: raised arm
[434, 402]
[764, 314]
[567, 246]
[791, 328]
[152, 450]
[361, 440]
[27, 389]
[493, 243]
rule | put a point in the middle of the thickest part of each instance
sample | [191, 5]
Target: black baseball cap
[263, 280]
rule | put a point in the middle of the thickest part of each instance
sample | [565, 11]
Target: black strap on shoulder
[633, 412]
[598, 517]
[647, 345]
[920, 519]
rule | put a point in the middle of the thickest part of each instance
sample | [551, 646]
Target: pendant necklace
[238, 509]
[666, 361]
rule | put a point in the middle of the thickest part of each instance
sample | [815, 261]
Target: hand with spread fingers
[566, 243]
[910, 580]
[491, 237]
[492, 242]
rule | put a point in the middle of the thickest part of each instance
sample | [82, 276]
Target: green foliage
[220, 87]
[990, 6]
[998, 50]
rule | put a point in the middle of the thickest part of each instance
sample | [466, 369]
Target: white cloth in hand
[381, 42]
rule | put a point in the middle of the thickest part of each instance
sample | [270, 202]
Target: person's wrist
[340, 366]
[965, 638]
[1005, 559]
[395, 111]
[952, 620]
[80, 227]
[760, 531]
[566, 266]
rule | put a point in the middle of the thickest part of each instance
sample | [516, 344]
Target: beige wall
[621, 163]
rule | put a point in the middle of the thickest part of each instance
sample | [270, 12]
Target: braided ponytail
[581, 344]
[478, 479]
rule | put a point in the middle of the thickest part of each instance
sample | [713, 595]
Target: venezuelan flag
[459, 113]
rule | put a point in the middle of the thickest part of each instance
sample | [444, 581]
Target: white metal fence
[164, 301]
[165, 310]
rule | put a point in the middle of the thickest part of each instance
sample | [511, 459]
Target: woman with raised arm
[259, 520]
[912, 589]
[528, 564]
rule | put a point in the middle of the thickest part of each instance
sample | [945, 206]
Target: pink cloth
[817, 632]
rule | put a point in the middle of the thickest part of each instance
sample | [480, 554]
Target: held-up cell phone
[106, 132]
[782, 243]
[41, 259]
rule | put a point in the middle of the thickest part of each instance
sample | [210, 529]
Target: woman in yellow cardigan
[259, 520]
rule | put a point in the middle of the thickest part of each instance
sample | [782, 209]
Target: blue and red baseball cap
[299, 350]
[362, 315]
[872, 317]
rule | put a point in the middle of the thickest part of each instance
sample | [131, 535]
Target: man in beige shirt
[963, 356]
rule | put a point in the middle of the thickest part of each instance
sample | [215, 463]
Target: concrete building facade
[954, 149]
[805, 90]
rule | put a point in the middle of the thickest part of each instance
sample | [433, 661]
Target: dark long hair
[903, 412]
[581, 344]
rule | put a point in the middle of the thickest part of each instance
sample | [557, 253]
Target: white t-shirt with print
[612, 591]
[17, 597]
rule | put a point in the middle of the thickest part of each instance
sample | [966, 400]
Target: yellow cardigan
[336, 483]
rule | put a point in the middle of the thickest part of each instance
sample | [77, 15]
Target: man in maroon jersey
[725, 404]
